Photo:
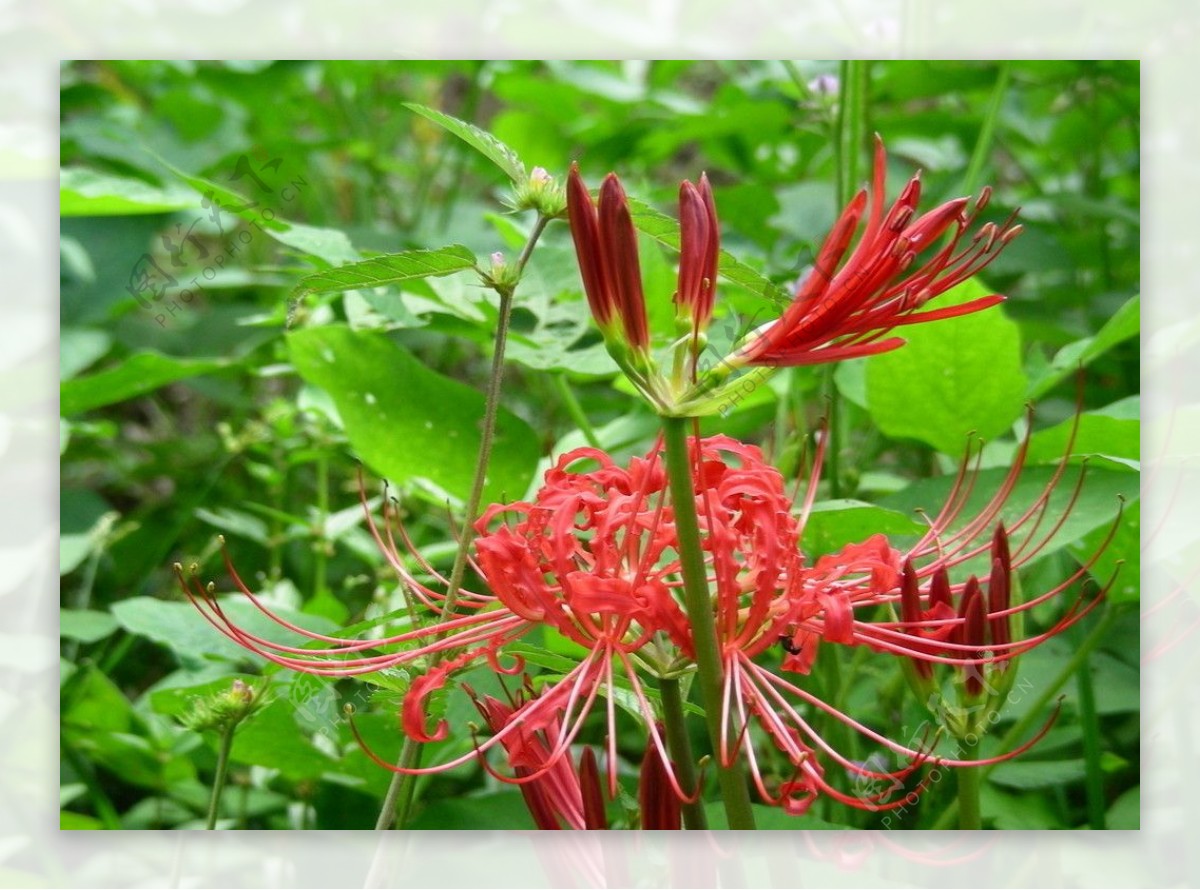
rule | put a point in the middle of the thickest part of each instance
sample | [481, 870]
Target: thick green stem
[214, 802]
[398, 800]
[969, 781]
[734, 793]
[680, 747]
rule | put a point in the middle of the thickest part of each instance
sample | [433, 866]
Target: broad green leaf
[953, 377]
[1125, 323]
[136, 376]
[483, 142]
[388, 269]
[272, 738]
[1113, 432]
[83, 192]
[407, 421]
[182, 629]
[665, 230]
[834, 524]
[85, 625]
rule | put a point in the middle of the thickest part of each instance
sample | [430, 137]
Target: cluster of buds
[844, 308]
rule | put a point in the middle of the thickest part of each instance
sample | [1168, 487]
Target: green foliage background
[214, 408]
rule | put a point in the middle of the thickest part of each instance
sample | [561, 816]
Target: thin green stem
[680, 747]
[1089, 722]
[214, 802]
[850, 126]
[398, 801]
[320, 556]
[698, 604]
[984, 143]
[575, 409]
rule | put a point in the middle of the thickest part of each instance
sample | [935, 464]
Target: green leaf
[1126, 812]
[139, 374]
[1125, 323]
[1121, 559]
[482, 811]
[78, 348]
[834, 524]
[771, 819]
[483, 142]
[272, 738]
[1037, 774]
[388, 269]
[182, 629]
[1095, 507]
[83, 192]
[407, 421]
[85, 625]
[665, 230]
[330, 245]
[953, 377]
[1112, 432]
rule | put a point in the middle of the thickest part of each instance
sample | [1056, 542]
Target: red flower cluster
[594, 558]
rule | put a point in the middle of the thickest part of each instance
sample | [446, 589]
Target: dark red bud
[589, 786]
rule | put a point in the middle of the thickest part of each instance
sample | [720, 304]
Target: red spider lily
[594, 558]
[940, 622]
[839, 313]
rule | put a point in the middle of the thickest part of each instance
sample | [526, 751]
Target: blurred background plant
[195, 195]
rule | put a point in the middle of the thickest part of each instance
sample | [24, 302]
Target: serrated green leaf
[387, 269]
[953, 377]
[482, 141]
[139, 374]
[399, 414]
